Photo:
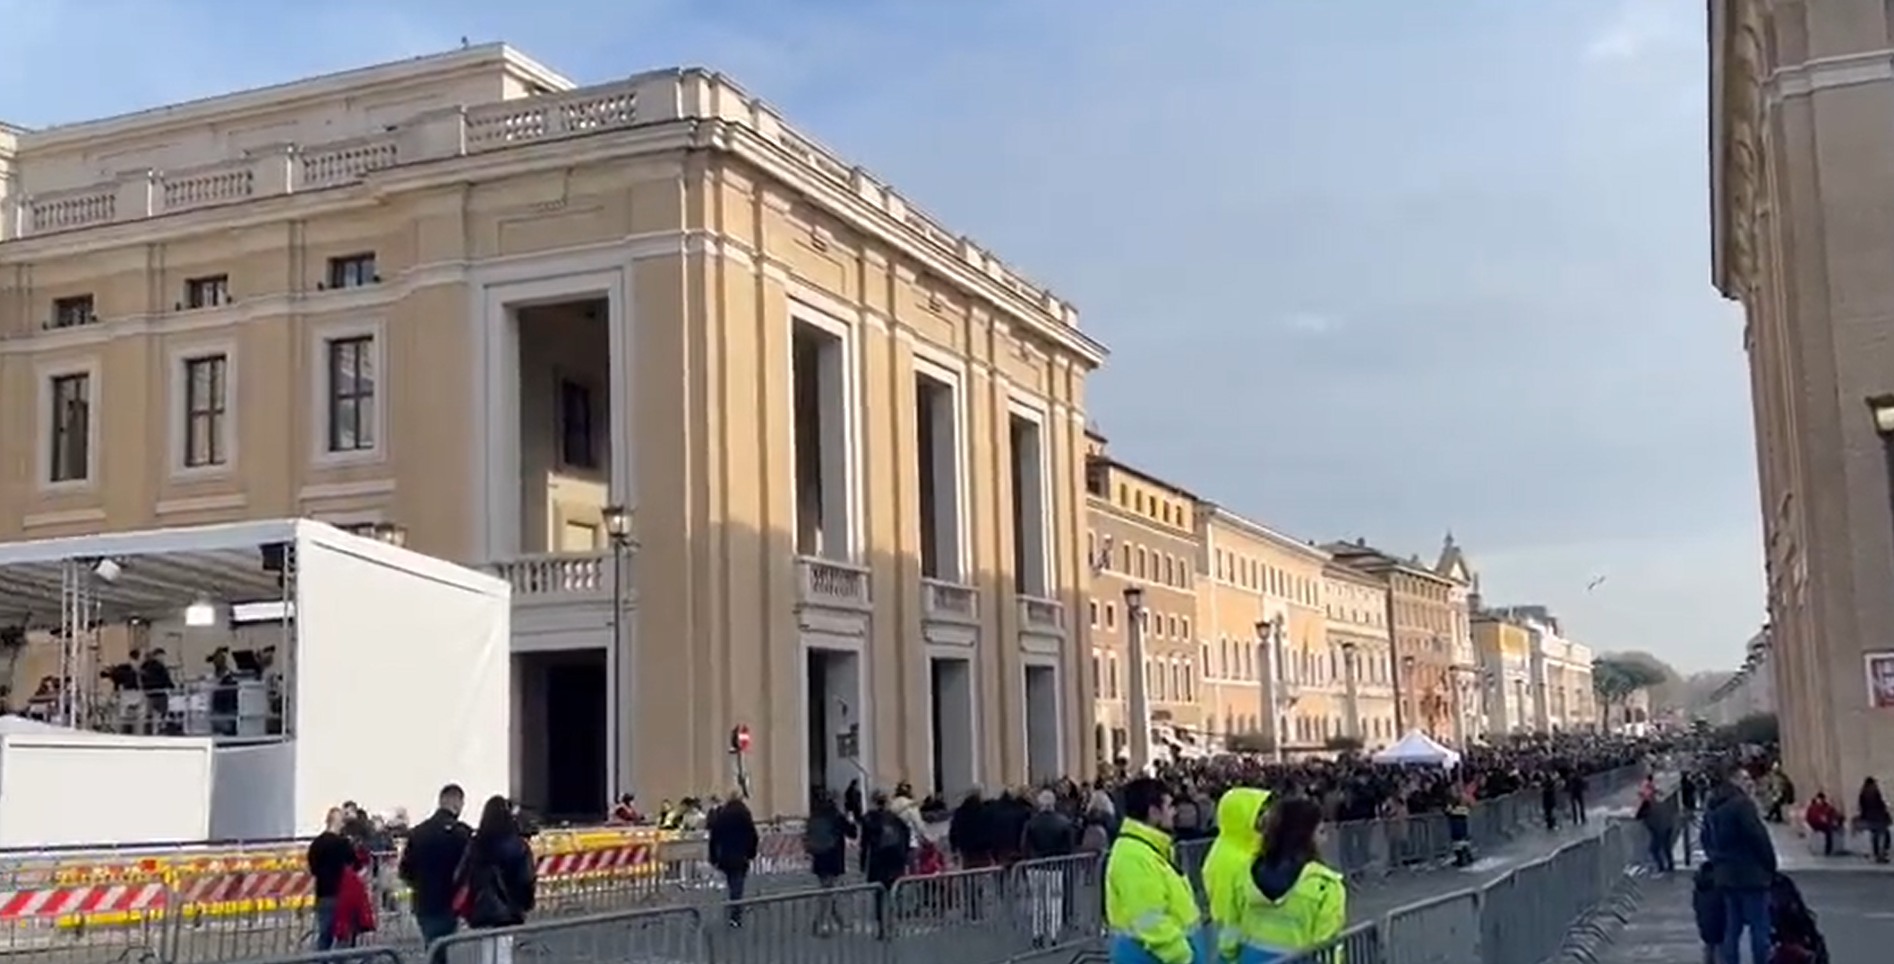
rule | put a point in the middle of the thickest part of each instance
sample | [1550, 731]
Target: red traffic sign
[740, 739]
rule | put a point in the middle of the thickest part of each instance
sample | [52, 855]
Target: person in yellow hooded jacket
[1226, 869]
[1292, 902]
[1149, 906]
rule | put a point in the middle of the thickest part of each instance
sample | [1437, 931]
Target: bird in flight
[1595, 583]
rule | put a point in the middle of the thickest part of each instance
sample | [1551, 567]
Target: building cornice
[279, 97]
[1256, 530]
[1737, 68]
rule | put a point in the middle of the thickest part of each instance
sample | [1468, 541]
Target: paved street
[1852, 908]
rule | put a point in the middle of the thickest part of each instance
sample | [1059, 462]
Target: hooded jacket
[1292, 905]
[1237, 846]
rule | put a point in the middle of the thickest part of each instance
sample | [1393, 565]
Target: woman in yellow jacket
[1226, 869]
[1293, 902]
[1149, 906]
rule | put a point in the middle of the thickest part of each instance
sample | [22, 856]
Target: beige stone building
[1422, 615]
[1356, 606]
[1800, 148]
[1265, 635]
[464, 296]
[1141, 538]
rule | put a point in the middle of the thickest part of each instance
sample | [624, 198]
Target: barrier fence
[261, 909]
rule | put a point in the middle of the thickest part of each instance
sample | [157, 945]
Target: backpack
[821, 836]
[888, 833]
[1798, 938]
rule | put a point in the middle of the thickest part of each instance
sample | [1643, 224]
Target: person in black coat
[970, 832]
[497, 870]
[429, 862]
[733, 844]
[330, 856]
[886, 843]
[825, 839]
[1742, 862]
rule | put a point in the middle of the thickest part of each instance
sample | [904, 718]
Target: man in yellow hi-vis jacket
[1148, 904]
[1226, 870]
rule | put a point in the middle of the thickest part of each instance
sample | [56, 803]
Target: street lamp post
[618, 531]
[1351, 688]
[1402, 671]
[1140, 702]
[1882, 408]
[1269, 641]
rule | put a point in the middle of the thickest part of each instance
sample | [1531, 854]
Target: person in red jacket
[354, 911]
[1826, 819]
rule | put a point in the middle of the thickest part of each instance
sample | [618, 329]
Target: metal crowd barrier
[251, 911]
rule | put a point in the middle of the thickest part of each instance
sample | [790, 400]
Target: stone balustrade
[647, 99]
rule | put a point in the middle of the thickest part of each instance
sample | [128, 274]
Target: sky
[1366, 268]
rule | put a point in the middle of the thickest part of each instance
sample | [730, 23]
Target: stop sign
[740, 739]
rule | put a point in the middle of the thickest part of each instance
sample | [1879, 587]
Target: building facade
[464, 296]
[1563, 699]
[1141, 539]
[1421, 612]
[1356, 607]
[1470, 686]
[1505, 647]
[1800, 145]
[1266, 635]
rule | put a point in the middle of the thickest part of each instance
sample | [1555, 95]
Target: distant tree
[1615, 678]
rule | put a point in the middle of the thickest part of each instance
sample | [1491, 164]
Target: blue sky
[1366, 267]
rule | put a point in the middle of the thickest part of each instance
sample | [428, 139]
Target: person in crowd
[733, 846]
[496, 877]
[625, 811]
[1006, 819]
[1743, 862]
[1549, 801]
[1575, 787]
[1295, 903]
[354, 913]
[886, 842]
[1149, 906]
[1049, 835]
[1659, 817]
[1779, 790]
[1098, 824]
[1826, 820]
[825, 837]
[852, 801]
[429, 862]
[1871, 812]
[331, 857]
[1239, 841]
[970, 832]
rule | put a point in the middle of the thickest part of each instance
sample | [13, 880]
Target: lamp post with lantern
[1139, 708]
[1269, 642]
[618, 531]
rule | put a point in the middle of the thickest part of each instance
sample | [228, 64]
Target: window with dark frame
[205, 406]
[71, 428]
[351, 401]
[73, 311]
[207, 292]
[353, 271]
[578, 443]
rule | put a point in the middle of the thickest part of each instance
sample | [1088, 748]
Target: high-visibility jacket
[1148, 904]
[1227, 868]
[1291, 908]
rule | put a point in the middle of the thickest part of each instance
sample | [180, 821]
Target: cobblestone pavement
[1852, 908]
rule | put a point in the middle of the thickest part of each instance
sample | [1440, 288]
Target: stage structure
[323, 666]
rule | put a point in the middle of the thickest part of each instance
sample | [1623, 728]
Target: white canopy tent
[1419, 749]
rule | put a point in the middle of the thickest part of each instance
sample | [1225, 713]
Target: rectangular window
[72, 312]
[205, 406]
[578, 442]
[353, 271]
[207, 292]
[71, 428]
[351, 401]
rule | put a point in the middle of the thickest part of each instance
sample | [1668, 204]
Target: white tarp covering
[402, 678]
[1418, 749]
[62, 787]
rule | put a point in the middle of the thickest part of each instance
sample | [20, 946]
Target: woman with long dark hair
[496, 878]
[1295, 903]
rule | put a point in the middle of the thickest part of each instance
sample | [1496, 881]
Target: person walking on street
[886, 842]
[1149, 907]
[1872, 814]
[1742, 863]
[496, 879]
[825, 839]
[733, 845]
[428, 863]
[1659, 817]
[1575, 788]
[1049, 836]
[331, 855]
